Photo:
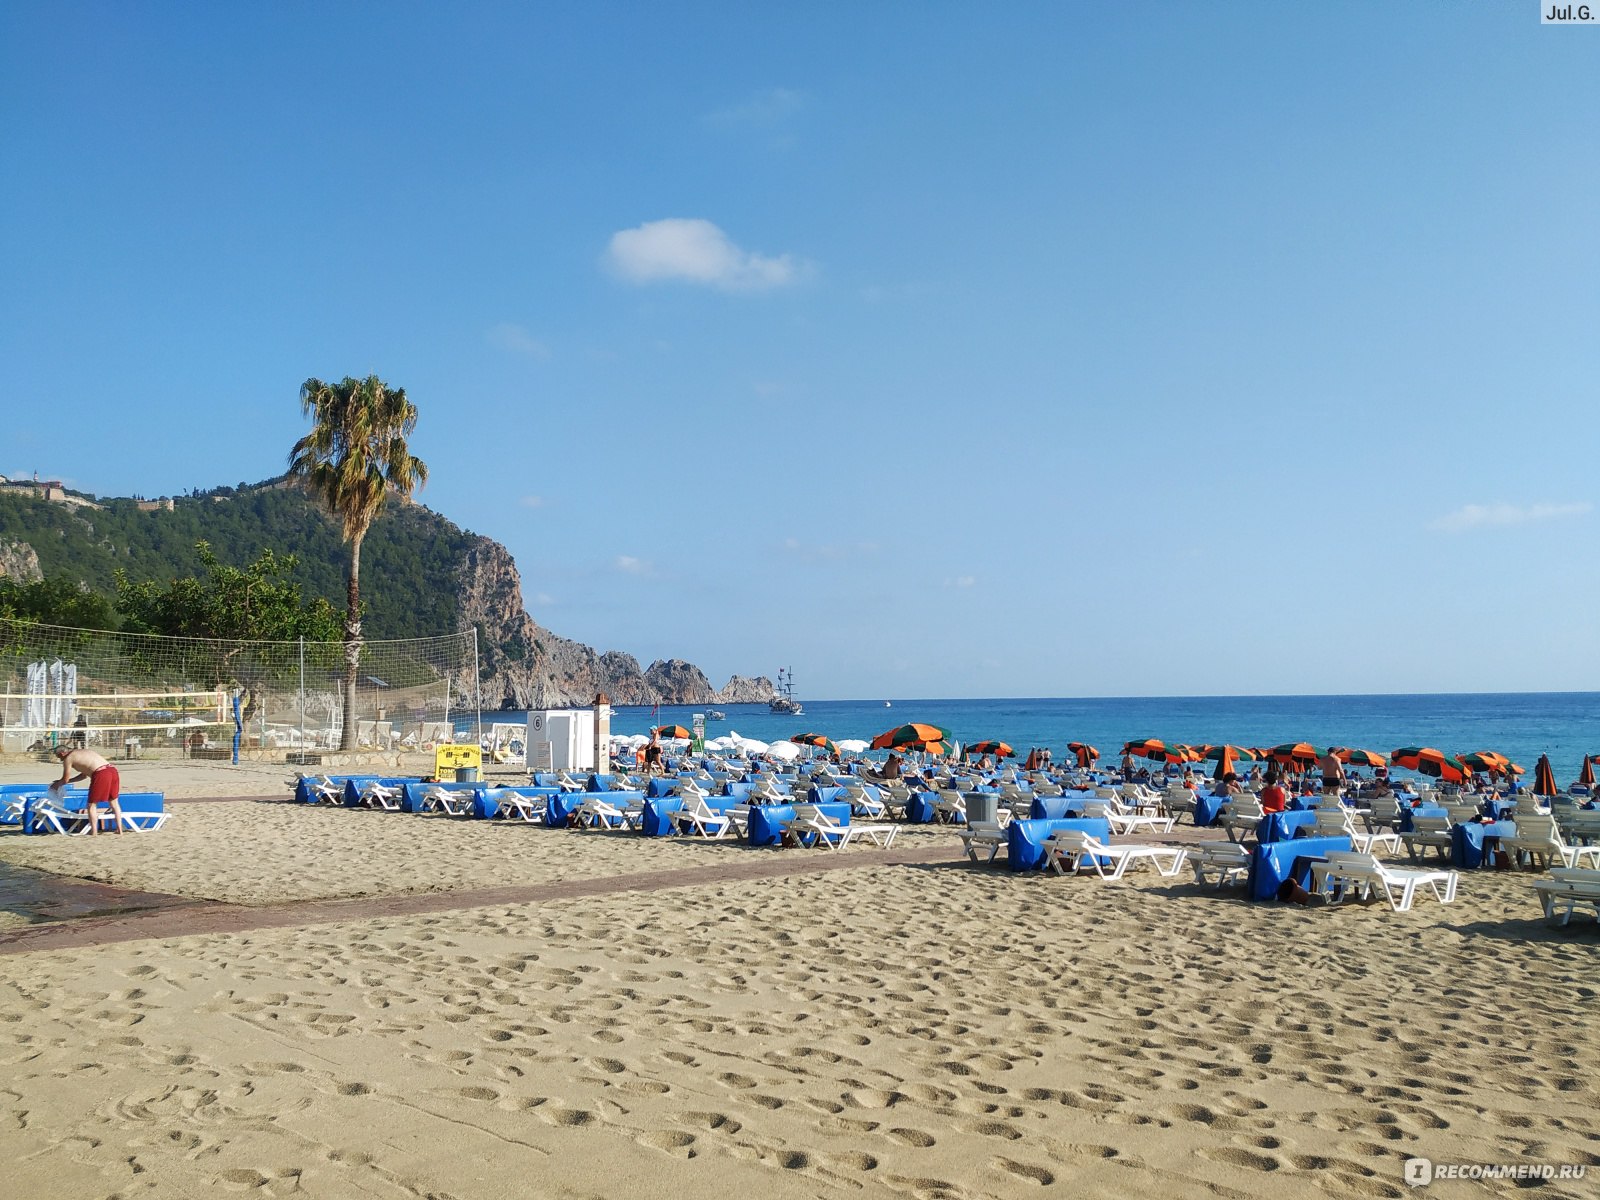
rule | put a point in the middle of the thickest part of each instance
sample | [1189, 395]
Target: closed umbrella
[1544, 778]
[1227, 757]
[1586, 776]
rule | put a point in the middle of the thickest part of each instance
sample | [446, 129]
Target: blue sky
[930, 349]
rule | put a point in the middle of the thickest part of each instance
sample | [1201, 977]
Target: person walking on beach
[652, 753]
[1332, 772]
[105, 785]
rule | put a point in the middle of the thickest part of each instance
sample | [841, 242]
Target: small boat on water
[784, 702]
[716, 714]
[886, 704]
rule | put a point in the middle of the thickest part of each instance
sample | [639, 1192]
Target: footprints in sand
[272, 1183]
[914, 1063]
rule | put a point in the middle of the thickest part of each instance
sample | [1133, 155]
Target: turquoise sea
[1564, 725]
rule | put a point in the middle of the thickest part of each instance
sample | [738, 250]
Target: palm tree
[355, 453]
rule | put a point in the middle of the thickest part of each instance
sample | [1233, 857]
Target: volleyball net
[132, 693]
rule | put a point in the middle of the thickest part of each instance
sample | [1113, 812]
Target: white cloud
[629, 565]
[691, 250]
[517, 340]
[766, 107]
[532, 502]
[960, 581]
[1499, 516]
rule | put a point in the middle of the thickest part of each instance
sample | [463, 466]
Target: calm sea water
[1564, 725]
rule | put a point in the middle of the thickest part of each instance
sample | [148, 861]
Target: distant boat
[886, 704]
[716, 714]
[784, 702]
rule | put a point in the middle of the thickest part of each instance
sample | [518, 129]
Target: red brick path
[184, 918]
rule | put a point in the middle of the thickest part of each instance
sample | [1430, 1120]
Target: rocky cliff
[19, 562]
[526, 666]
[423, 575]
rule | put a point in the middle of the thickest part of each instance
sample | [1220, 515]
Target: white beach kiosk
[569, 739]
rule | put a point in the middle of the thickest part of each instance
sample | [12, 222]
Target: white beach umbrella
[852, 746]
[787, 751]
[752, 746]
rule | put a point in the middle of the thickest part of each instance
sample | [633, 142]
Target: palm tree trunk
[352, 648]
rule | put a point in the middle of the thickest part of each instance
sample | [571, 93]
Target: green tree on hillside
[356, 451]
[56, 602]
[230, 613]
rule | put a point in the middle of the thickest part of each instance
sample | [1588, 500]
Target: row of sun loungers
[808, 826]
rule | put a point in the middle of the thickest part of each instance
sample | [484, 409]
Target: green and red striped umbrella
[1302, 754]
[998, 749]
[1359, 758]
[1157, 750]
[820, 740]
[1491, 761]
[672, 731]
[1428, 761]
[915, 736]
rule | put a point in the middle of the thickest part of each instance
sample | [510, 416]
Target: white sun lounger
[1347, 872]
[1568, 887]
[1228, 861]
[379, 795]
[698, 817]
[448, 801]
[61, 819]
[326, 791]
[1337, 823]
[596, 812]
[512, 805]
[1066, 849]
[984, 835]
[809, 819]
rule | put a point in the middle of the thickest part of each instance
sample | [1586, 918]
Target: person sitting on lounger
[105, 785]
[1229, 786]
[1273, 798]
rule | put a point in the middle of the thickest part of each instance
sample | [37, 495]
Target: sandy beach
[569, 1014]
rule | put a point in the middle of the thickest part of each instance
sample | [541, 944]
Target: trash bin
[981, 806]
[466, 774]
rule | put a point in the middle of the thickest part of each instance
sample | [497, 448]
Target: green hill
[409, 562]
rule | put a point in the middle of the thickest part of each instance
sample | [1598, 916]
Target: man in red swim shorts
[105, 785]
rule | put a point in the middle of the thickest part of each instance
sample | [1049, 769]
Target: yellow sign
[448, 758]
